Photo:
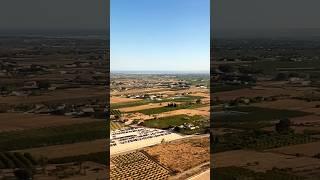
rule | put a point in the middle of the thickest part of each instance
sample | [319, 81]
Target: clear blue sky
[158, 35]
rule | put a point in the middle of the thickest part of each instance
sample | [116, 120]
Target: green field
[167, 122]
[53, 135]
[143, 102]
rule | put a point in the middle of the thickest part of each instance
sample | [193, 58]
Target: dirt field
[92, 171]
[189, 112]
[139, 91]
[257, 91]
[21, 121]
[309, 149]
[68, 149]
[57, 95]
[292, 104]
[182, 155]
[262, 161]
[306, 120]
[122, 100]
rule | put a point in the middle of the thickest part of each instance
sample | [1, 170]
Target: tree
[198, 101]
[283, 126]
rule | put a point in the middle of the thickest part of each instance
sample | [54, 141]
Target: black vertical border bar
[211, 90]
[107, 59]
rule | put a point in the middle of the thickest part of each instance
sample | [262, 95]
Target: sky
[53, 14]
[261, 16]
[160, 35]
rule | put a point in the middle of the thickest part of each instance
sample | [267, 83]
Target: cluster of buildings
[129, 135]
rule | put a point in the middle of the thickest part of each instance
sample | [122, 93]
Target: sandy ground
[262, 161]
[65, 150]
[22, 121]
[122, 100]
[309, 149]
[183, 154]
[202, 94]
[122, 148]
[189, 112]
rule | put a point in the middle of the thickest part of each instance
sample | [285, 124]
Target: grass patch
[144, 102]
[53, 135]
[168, 122]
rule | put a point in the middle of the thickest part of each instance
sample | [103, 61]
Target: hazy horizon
[137, 72]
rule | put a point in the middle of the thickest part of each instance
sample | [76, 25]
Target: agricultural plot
[258, 140]
[116, 125]
[171, 121]
[114, 100]
[10, 160]
[254, 92]
[234, 172]
[255, 114]
[308, 149]
[292, 104]
[65, 150]
[146, 101]
[137, 165]
[181, 155]
[266, 161]
[53, 135]
[23, 121]
[167, 108]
